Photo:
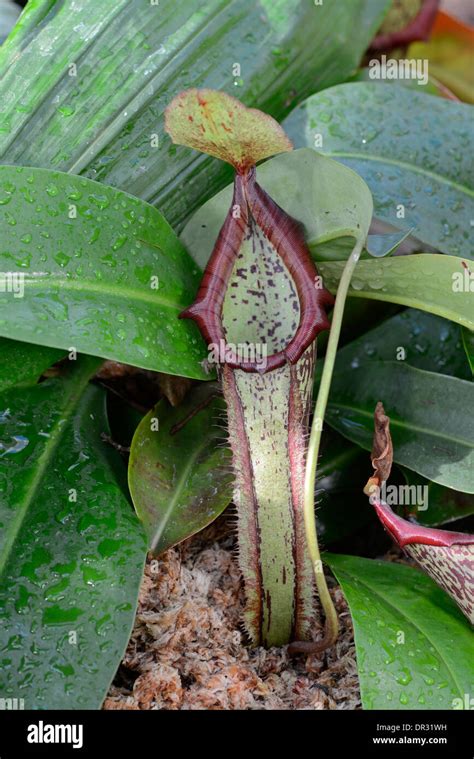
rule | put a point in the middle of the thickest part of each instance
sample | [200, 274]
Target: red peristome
[287, 237]
[406, 533]
[206, 309]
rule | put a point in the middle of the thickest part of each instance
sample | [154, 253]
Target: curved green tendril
[332, 625]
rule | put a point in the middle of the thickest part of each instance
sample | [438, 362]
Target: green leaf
[411, 148]
[379, 246]
[414, 648]
[132, 58]
[422, 340]
[23, 363]
[180, 480]
[72, 550]
[431, 429]
[435, 504]
[329, 199]
[431, 283]
[468, 342]
[110, 281]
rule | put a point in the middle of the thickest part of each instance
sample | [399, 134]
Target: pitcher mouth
[286, 236]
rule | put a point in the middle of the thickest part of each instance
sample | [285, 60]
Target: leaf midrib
[102, 287]
[398, 423]
[43, 460]
[178, 487]
[412, 168]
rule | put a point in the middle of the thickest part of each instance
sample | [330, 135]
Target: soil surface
[187, 649]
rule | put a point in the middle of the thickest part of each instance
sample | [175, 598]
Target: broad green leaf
[104, 118]
[431, 429]
[23, 363]
[103, 272]
[329, 199]
[413, 150]
[414, 648]
[422, 340]
[434, 283]
[72, 550]
[434, 504]
[179, 471]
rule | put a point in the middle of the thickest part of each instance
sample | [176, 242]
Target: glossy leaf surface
[72, 550]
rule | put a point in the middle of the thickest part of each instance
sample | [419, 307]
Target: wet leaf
[24, 363]
[431, 429]
[105, 119]
[103, 272]
[434, 283]
[179, 471]
[413, 150]
[417, 338]
[72, 550]
[414, 647]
